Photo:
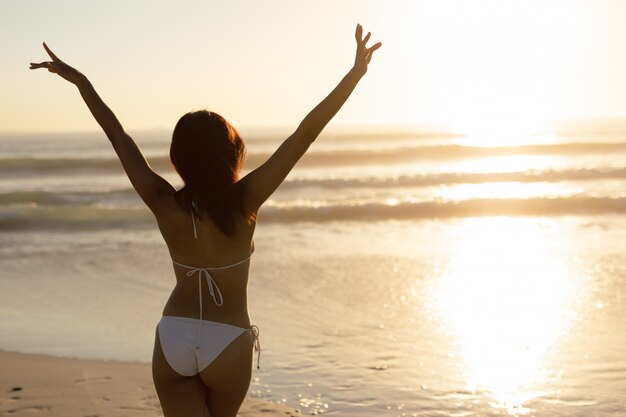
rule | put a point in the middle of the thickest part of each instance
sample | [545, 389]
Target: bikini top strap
[195, 229]
[193, 218]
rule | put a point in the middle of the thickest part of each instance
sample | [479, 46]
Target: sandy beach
[47, 386]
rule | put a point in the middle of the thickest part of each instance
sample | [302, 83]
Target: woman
[202, 353]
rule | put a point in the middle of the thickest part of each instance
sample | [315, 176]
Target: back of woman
[205, 224]
[202, 361]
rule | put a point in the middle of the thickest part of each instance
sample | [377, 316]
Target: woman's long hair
[207, 152]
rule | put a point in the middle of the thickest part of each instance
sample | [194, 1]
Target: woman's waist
[234, 313]
[194, 321]
[229, 292]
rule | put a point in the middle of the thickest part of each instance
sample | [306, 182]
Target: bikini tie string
[210, 282]
[257, 345]
[214, 290]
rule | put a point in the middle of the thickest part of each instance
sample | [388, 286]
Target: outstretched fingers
[367, 38]
[58, 67]
[363, 53]
[362, 42]
[50, 53]
[374, 47]
[359, 33]
[35, 65]
[370, 51]
[359, 36]
[50, 66]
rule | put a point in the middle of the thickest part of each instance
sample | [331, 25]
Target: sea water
[396, 273]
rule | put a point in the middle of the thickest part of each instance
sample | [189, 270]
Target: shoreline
[67, 387]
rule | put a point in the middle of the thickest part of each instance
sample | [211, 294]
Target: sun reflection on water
[506, 298]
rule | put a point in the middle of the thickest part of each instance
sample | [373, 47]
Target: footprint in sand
[36, 408]
[15, 398]
[12, 399]
[92, 380]
[136, 408]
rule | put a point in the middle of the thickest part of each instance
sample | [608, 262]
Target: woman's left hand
[58, 67]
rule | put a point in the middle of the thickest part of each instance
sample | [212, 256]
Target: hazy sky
[464, 64]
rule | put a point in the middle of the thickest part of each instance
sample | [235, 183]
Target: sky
[465, 65]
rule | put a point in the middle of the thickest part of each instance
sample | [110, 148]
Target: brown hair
[207, 153]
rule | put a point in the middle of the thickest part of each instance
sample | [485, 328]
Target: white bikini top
[214, 290]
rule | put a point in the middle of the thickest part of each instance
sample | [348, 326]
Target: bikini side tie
[257, 345]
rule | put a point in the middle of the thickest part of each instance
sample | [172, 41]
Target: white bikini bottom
[190, 345]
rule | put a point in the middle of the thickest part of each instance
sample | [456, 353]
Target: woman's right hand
[363, 53]
[59, 67]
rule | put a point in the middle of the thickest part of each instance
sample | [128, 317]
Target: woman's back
[200, 251]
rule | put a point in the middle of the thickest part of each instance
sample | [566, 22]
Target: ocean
[396, 273]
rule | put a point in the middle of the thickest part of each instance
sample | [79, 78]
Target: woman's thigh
[228, 377]
[180, 396]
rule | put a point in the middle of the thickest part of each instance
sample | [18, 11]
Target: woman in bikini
[202, 359]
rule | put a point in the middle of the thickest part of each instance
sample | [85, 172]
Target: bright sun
[501, 67]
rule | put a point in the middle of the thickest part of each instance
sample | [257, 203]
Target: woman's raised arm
[150, 186]
[263, 181]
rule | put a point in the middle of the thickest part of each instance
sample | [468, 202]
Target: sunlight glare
[506, 190]
[506, 301]
[506, 163]
[506, 136]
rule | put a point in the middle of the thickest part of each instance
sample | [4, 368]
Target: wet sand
[39, 385]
